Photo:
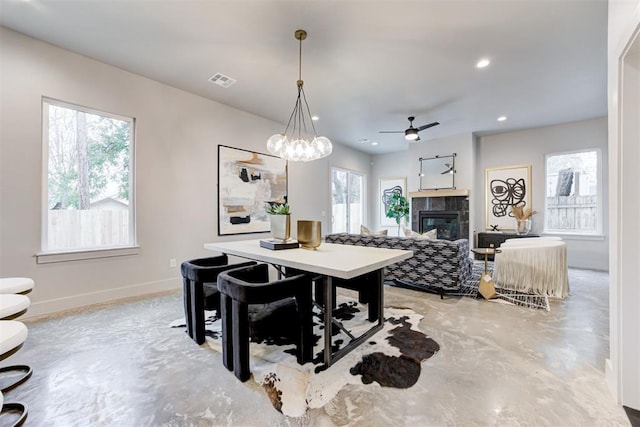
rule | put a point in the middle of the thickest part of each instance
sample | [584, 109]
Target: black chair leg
[197, 311]
[186, 292]
[227, 331]
[241, 340]
[319, 292]
[376, 311]
[305, 315]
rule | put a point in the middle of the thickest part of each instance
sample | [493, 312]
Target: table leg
[328, 316]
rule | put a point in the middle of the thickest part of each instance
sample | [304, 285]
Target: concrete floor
[120, 365]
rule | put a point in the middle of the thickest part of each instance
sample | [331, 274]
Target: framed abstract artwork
[506, 187]
[246, 182]
[387, 187]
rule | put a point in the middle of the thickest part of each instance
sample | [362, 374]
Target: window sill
[575, 236]
[64, 256]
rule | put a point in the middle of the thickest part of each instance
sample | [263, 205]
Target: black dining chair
[364, 285]
[251, 285]
[200, 290]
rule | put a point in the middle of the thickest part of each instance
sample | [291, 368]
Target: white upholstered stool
[13, 305]
[16, 285]
[12, 335]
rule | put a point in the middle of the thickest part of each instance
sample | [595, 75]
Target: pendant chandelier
[294, 144]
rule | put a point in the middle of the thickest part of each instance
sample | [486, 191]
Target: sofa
[436, 265]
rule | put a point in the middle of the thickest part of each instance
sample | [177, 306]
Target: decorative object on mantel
[295, 146]
[506, 187]
[438, 173]
[494, 227]
[309, 234]
[398, 209]
[522, 218]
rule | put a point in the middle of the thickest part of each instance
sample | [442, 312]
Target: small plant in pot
[279, 215]
[398, 209]
[275, 208]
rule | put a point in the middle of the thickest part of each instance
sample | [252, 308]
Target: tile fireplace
[448, 213]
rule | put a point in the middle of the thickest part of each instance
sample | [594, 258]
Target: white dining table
[329, 260]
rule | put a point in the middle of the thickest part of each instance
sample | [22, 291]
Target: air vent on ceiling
[222, 80]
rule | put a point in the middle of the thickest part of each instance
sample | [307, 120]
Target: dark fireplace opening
[446, 222]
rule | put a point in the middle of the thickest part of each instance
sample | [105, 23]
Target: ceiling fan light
[411, 134]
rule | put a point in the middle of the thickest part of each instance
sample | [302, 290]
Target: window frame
[46, 255]
[363, 176]
[597, 234]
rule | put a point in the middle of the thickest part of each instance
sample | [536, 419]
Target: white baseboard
[77, 301]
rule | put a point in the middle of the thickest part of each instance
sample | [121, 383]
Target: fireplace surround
[443, 210]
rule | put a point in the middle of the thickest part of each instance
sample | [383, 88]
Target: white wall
[529, 147]
[623, 366]
[176, 172]
[393, 165]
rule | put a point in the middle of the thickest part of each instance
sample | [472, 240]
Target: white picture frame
[386, 187]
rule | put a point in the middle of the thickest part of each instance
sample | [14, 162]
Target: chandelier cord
[297, 146]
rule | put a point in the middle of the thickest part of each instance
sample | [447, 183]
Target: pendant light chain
[297, 147]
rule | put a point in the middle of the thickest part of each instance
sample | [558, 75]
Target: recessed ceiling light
[484, 62]
[374, 143]
[315, 118]
[502, 118]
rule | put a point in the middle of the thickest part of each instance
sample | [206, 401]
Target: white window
[573, 202]
[88, 189]
[347, 201]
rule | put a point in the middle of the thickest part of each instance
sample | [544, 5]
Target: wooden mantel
[439, 193]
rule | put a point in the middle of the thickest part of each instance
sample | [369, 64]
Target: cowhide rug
[391, 358]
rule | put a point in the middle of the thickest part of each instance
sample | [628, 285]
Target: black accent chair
[364, 285]
[201, 292]
[251, 285]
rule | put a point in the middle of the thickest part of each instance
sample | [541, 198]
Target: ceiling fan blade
[430, 125]
[391, 131]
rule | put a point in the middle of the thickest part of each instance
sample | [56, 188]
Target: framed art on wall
[387, 187]
[246, 182]
[506, 187]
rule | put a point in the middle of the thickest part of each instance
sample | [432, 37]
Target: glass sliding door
[347, 201]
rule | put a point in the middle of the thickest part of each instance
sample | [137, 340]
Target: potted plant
[398, 209]
[279, 215]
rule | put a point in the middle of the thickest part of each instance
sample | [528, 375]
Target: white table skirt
[533, 265]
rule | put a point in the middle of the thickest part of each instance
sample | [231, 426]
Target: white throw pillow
[431, 234]
[366, 232]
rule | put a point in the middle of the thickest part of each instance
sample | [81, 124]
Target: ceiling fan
[411, 133]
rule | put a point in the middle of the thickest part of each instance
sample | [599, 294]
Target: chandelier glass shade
[300, 141]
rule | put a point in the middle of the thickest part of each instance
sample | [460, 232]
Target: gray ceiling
[367, 64]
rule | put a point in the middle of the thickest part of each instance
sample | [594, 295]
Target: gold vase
[280, 227]
[309, 234]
